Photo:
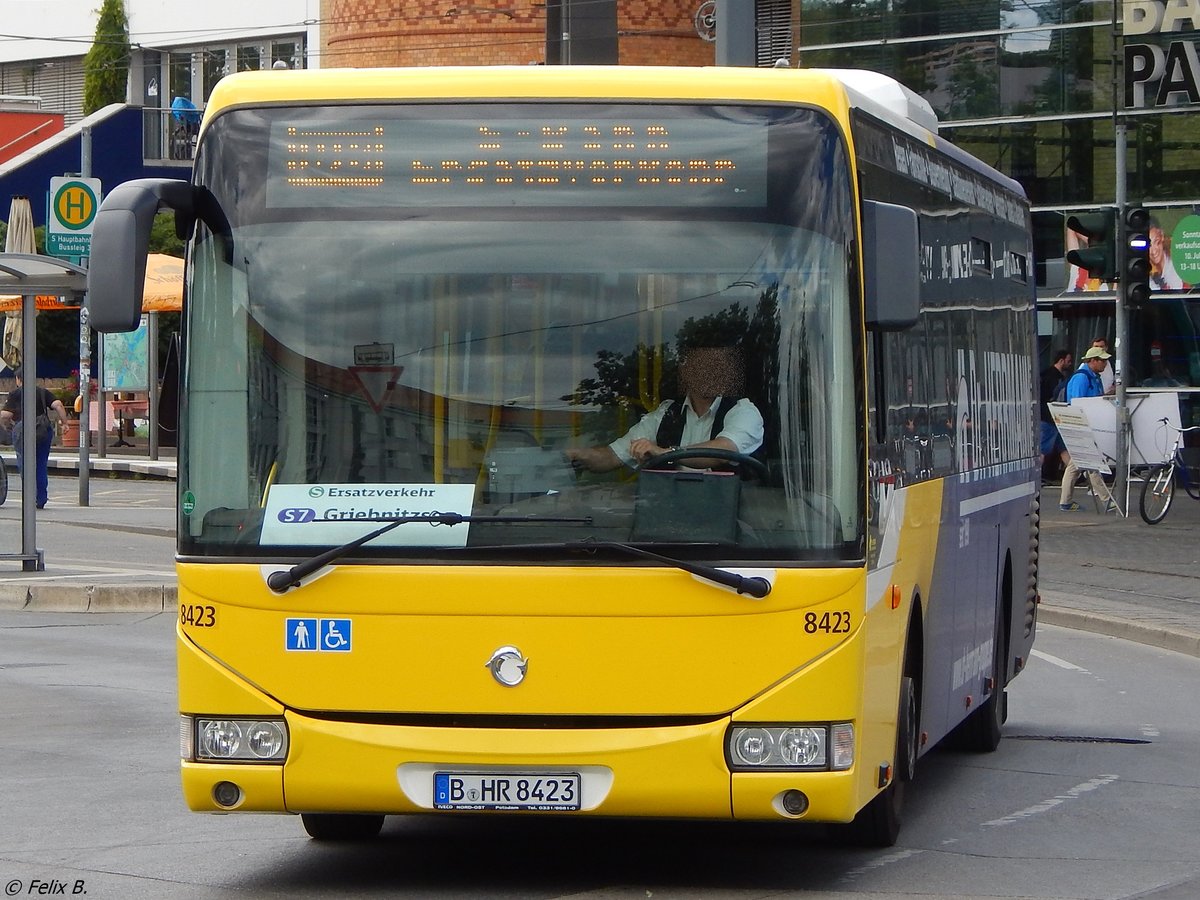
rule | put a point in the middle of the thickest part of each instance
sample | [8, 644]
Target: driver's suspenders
[670, 428]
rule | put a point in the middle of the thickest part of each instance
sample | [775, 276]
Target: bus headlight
[753, 746]
[802, 747]
[203, 739]
[792, 746]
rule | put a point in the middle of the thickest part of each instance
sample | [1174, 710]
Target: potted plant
[69, 395]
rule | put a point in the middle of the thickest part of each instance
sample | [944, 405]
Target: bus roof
[829, 88]
[837, 90]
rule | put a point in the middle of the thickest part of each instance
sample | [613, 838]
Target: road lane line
[885, 860]
[1046, 805]
[1061, 663]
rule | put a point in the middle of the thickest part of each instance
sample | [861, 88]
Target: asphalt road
[1092, 794]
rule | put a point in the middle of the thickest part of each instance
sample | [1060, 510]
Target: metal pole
[565, 52]
[85, 413]
[735, 33]
[1121, 348]
[85, 352]
[1121, 476]
[32, 560]
[152, 378]
[101, 409]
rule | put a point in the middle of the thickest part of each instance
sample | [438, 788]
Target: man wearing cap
[1086, 382]
[1107, 376]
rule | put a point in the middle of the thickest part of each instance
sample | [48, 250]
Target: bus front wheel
[338, 827]
[878, 823]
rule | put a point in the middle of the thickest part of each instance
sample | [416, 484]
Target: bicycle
[1182, 464]
[3, 481]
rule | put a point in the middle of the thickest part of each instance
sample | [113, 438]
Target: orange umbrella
[8, 304]
[163, 290]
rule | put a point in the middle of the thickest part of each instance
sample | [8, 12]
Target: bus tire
[908, 731]
[340, 827]
[878, 823]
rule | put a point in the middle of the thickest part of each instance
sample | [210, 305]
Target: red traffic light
[1137, 219]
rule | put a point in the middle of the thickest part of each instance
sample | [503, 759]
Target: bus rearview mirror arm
[120, 242]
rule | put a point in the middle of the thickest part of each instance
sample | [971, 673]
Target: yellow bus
[590, 442]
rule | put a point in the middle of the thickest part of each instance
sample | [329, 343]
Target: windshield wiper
[753, 585]
[282, 581]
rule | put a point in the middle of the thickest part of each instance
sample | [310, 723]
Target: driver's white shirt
[743, 426]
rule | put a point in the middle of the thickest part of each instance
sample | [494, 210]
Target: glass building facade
[1036, 88]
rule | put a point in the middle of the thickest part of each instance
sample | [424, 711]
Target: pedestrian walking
[44, 404]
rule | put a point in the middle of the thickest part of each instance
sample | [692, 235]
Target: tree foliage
[106, 65]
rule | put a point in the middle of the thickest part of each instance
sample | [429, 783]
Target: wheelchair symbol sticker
[329, 635]
[335, 635]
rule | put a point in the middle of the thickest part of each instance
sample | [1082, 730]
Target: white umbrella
[19, 239]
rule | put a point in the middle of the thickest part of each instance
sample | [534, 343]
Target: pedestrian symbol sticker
[317, 635]
[301, 634]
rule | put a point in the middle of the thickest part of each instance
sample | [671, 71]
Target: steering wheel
[743, 461]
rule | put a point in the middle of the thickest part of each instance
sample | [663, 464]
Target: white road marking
[1061, 663]
[1046, 805]
[880, 862]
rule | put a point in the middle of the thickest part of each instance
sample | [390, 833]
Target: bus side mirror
[120, 241]
[891, 266]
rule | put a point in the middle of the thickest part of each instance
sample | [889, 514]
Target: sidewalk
[1119, 576]
[1101, 573]
[115, 554]
[119, 460]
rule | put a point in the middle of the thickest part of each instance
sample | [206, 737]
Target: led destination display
[686, 161]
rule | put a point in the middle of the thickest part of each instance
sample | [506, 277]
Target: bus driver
[711, 414]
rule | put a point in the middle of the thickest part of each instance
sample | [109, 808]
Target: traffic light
[1099, 257]
[1135, 281]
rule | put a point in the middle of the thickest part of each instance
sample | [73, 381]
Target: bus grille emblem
[508, 666]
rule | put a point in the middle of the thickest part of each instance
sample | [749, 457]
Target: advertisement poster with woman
[1174, 254]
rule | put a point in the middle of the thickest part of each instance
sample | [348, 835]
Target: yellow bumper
[675, 772]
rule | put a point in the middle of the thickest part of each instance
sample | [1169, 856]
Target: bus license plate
[506, 791]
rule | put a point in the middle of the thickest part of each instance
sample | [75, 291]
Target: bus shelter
[29, 276]
[162, 292]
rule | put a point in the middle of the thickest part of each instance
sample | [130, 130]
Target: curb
[107, 466]
[88, 598]
[1177, 640]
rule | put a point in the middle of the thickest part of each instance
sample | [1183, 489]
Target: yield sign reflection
[376, 382]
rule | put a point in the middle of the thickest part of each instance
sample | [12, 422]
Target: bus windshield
[396, 310]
